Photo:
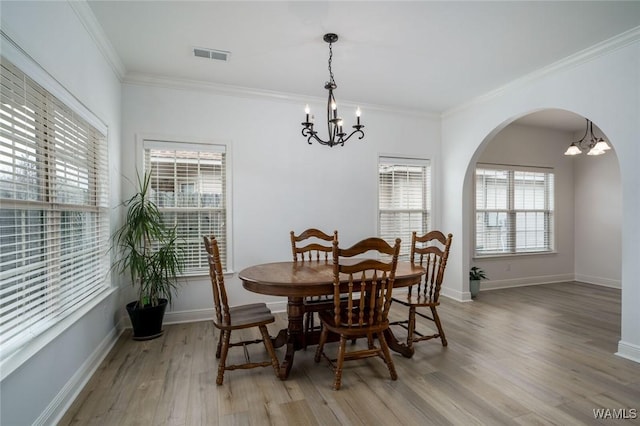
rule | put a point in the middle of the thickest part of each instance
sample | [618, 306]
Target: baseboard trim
[525, 281]
[604, 282]
[629, 351]
[458, 296]
[68, 394]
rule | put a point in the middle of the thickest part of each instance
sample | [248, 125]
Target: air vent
[218, 55]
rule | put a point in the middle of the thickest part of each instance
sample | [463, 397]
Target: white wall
[280, 183]
[598, 218]
[51, 33]
[604, 86]
[531, 146]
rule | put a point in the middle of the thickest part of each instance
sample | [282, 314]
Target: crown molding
[93, 27]
[598, 50]
[143, 79]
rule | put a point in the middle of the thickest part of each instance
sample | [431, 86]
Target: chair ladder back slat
[315, 247]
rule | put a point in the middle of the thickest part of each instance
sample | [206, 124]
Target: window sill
[20, 355]
[202, 274]
[511, 255]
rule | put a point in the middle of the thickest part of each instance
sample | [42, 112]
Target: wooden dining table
[301, 279]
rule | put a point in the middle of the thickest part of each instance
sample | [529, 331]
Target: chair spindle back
[370, 282]
[431, 251]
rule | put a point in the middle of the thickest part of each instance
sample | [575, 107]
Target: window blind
[54, 216]
[189, 186]
[404, 199]
[514, 209]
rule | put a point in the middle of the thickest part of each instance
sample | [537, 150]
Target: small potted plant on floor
[475, 276]
[148, 250]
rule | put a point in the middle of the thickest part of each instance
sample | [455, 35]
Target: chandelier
[595, 145]
[337, 136]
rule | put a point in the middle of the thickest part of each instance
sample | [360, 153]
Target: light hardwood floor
[534, 355]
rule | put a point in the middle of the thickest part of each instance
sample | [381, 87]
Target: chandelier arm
[308, 133]
[581, 141]
[358, 131]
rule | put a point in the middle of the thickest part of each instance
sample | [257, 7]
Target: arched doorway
[584, 225]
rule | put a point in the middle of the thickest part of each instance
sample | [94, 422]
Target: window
[54, 213]
[190, 187]
[514, 210]
[404, 199]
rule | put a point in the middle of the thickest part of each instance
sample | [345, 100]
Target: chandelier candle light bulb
[334, 123]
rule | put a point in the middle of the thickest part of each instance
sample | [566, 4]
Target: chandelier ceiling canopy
[337, 135]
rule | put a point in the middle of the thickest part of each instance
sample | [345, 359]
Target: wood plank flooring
[538, 355]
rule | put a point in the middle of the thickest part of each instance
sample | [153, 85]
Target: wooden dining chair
[236, 318]
[313, 244]
[368, 298]
[431, 251]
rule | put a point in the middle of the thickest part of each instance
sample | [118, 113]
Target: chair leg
[219, 348]
[226, 336]
[369, 341]
[266, 339]
[308, 326]
[340, 363]
[323, 340]
[411, 326]
[387, 356]
[436, 319]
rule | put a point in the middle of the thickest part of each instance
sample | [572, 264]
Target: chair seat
[247, 316]
[415, 300]
[328, 319]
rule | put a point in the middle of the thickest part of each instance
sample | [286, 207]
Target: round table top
[309, 278]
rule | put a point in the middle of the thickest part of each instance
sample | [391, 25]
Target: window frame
[511, 211]
[189, 143]
[12, 358]
[427, 201]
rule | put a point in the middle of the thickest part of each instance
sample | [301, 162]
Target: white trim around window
[404, 199]
[513, 210]
[193, 185]
[54, 214]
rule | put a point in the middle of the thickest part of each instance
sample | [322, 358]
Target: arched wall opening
[587, 215]
[602, 86]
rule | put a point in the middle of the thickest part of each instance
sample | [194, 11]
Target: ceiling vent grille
[218, 55]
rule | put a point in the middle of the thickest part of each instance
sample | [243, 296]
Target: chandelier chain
[331, 80]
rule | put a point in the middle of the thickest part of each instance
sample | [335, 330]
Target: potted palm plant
[475, 276]
[148, 250]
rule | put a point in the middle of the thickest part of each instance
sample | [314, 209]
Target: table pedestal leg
[295, 334]
[396, 346]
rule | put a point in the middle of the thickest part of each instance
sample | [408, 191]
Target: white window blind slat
[54, 214]
[514, 209]
[404, 199]
[189, 184]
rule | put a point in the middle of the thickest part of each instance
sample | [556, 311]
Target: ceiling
[419, 55]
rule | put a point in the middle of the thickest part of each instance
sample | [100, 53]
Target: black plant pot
[147, 321]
